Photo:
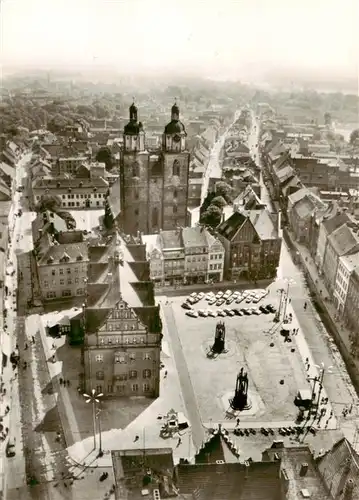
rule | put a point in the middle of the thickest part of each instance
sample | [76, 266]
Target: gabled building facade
[343, 241]
[122, 325]
[252, 245]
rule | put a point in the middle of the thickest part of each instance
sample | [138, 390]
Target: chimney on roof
[303, 469]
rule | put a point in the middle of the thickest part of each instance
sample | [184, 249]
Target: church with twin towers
[154, 184]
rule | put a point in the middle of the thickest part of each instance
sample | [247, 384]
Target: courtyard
[276, 369]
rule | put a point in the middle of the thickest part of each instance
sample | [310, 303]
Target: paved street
[214, 166]
[188, 393]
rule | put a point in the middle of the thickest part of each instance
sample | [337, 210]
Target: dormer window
[69, 190]
[79, 257]
[50, 260]
[58, 184]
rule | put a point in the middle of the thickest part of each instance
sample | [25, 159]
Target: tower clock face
[177, 138]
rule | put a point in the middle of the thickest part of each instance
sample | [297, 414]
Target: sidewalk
[335, 327]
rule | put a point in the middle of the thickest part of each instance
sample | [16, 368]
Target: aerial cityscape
[180, 258]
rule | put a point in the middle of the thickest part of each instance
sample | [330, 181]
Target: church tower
[134, 176]
[175, 163]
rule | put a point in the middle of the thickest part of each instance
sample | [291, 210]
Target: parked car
[239, 299]
[200, 296]
[219, 294]
[227, 294]
[256, 299]
[193, 295]
[203, 313]
[186, 305]
[237, 311]
[192, 314]
[212, 302]
[270, 308]
[209, 296]
[220, 302]
[230, 300]
[256, 310]
[212, 313]
[221, 313]
[10, 450]
[263, 309]
[246, 311]
[191, 300]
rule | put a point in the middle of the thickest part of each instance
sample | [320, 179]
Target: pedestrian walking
[33, 339]
[25, 365]
[136, 439]
[238, 422]
[165, 374]
[305, 305]
[179, 442]
[53, 359]
[60, 380]
[26, 346]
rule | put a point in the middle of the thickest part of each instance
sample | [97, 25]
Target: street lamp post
[100, 452]
[322, 370]
[93, 399]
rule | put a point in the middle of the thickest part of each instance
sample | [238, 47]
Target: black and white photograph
[179, 250]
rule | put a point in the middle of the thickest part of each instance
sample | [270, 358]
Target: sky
[212, 37]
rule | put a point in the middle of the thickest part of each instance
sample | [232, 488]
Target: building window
[174, 209]
[69, 282]
[99, 358]
[146, 388]
[80, 291]
[120, 388]
[110, 388]
[146, 354]
[133, 374]
[53, 272]
[46, 284]
[175, 193]
[68, 270]
[134, 387]
[98, 389]
[176, 168]
[100, 375]
[135, 170]
[51, 295]
[62, 282]
[155, 217]
[61, 271]
[132, 356]
[146, 374]
[66, 293]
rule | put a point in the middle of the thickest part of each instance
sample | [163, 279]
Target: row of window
[121, 388]
[118, 340]
[121, 358]
[216, 256]
[213, 267]
[132, 375]
[72, 196]
[77, 203]
[62, 282]
[65, 293]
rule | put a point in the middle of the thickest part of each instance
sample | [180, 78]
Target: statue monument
[240, 400]
[219, 338]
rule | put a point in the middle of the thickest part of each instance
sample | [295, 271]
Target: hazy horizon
[224, 40]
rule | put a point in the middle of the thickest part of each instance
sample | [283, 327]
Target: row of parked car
[235, 311]
[228, 297]
[283, 431]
